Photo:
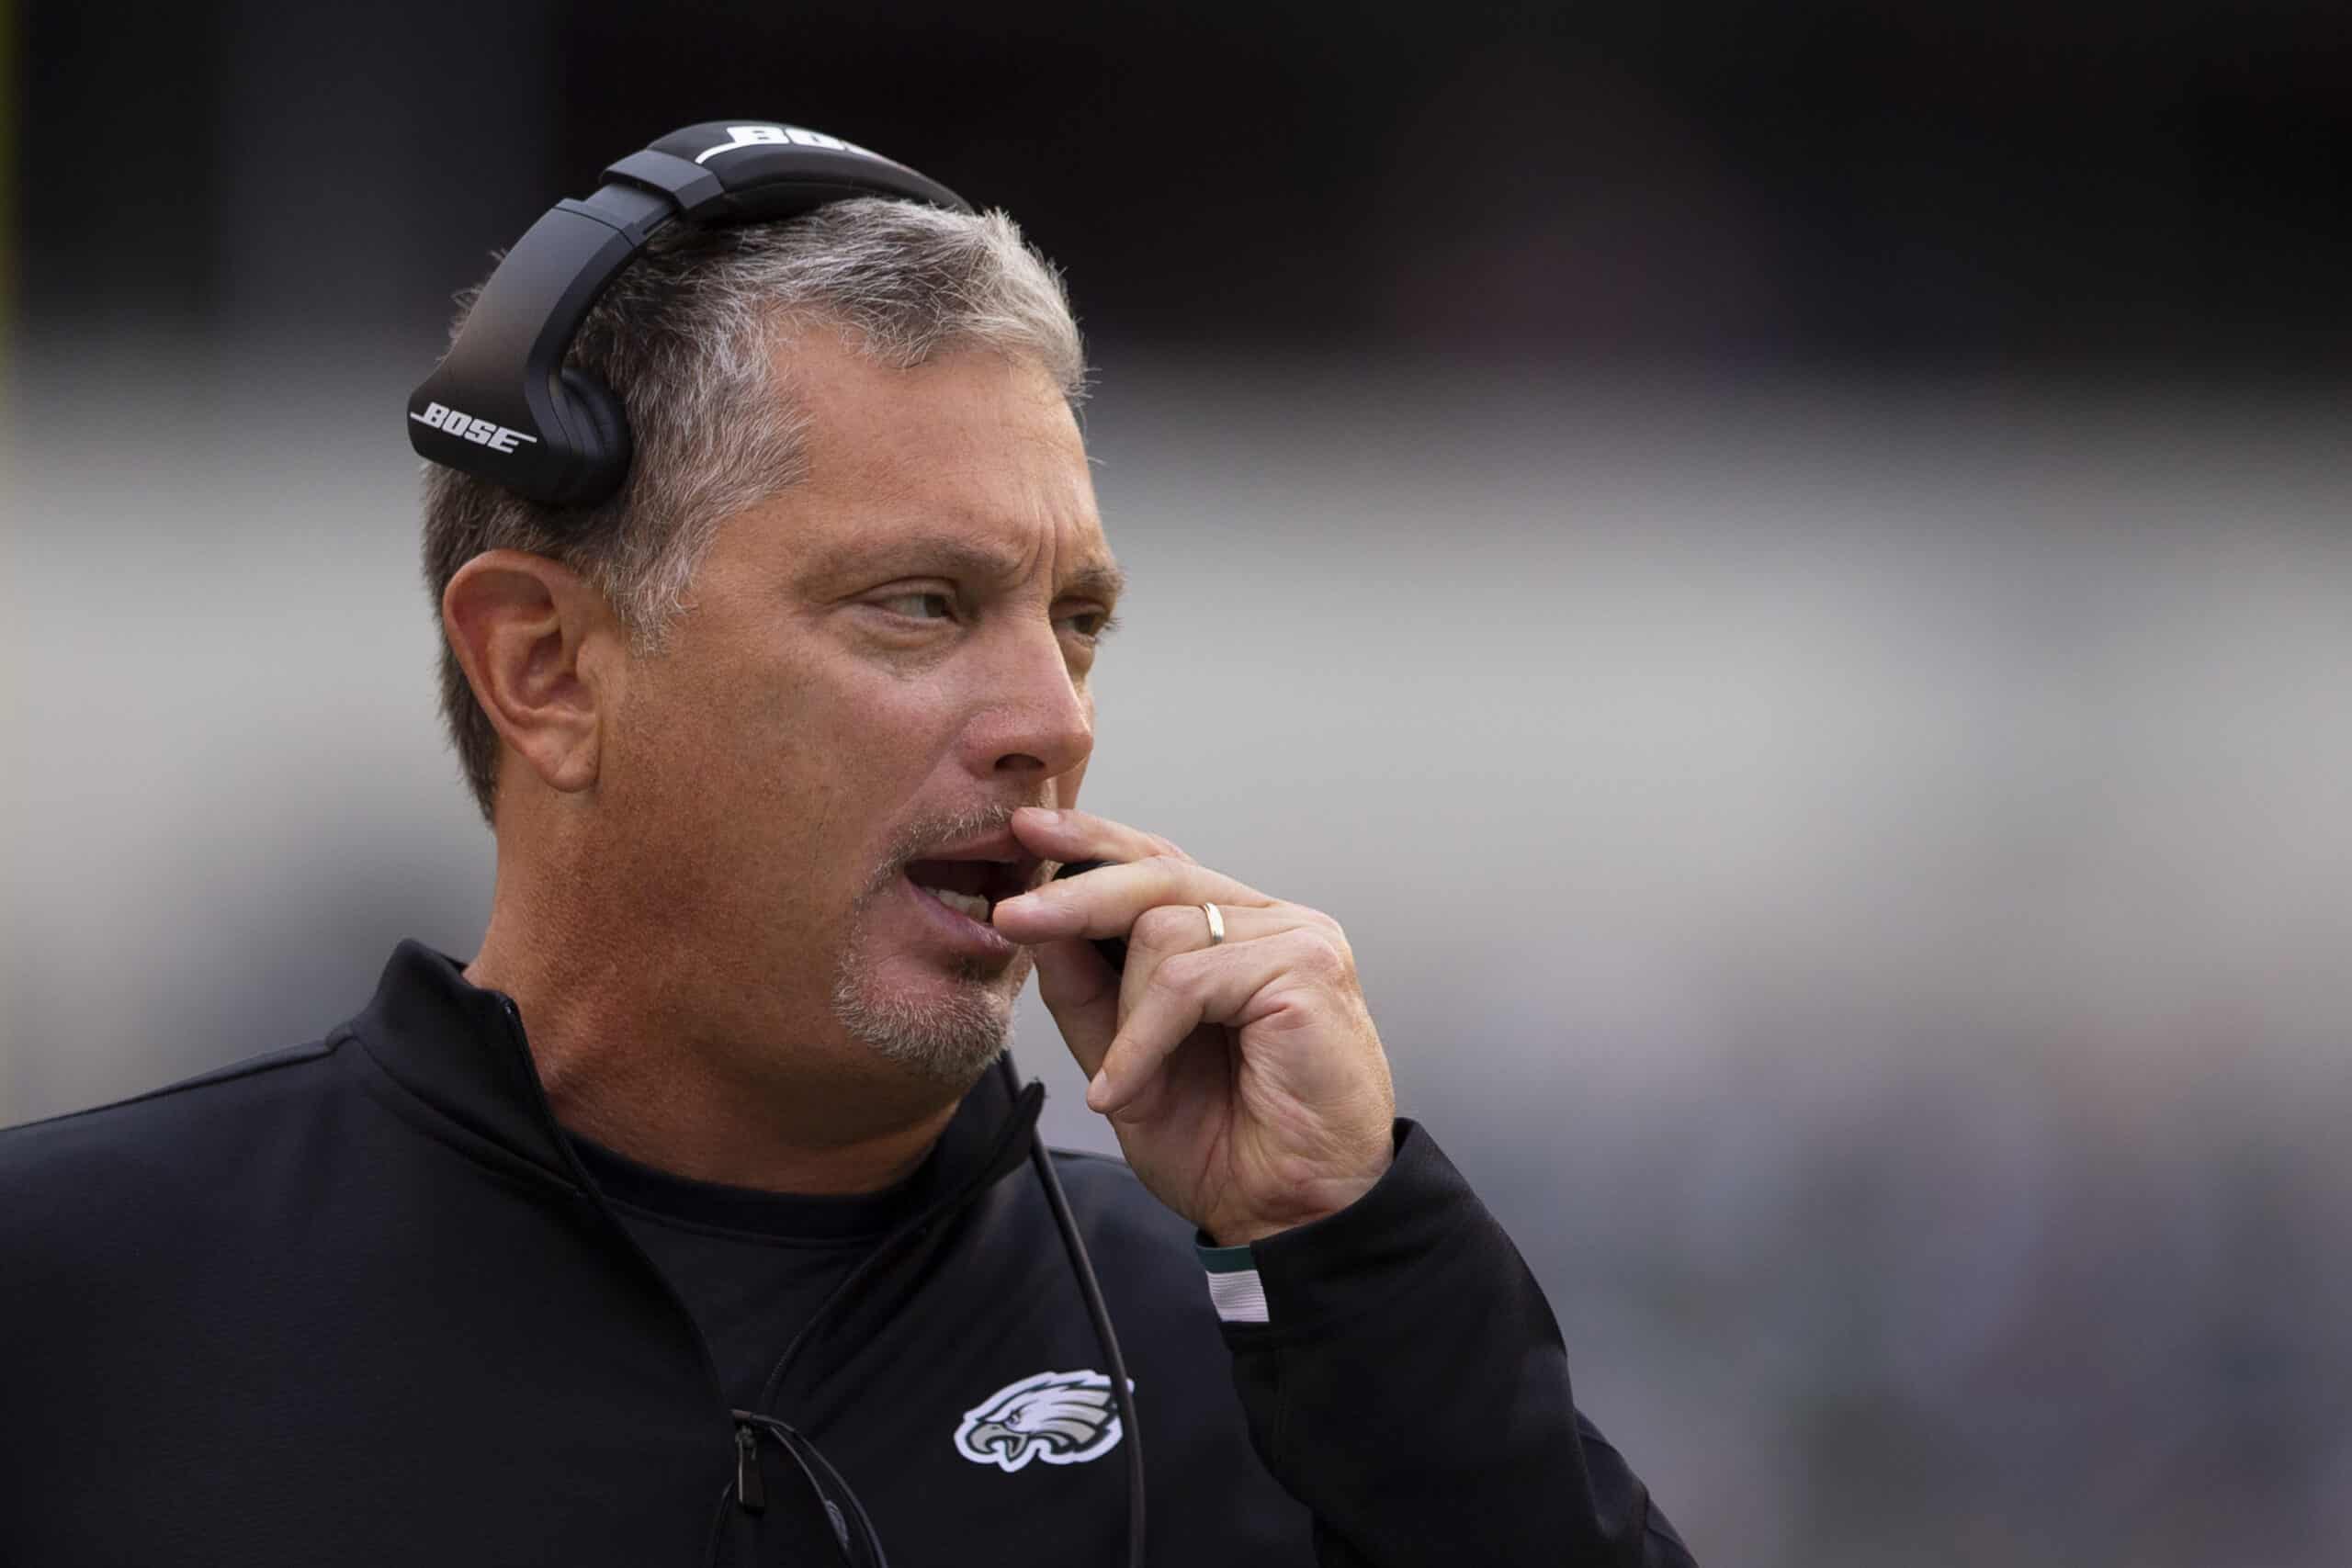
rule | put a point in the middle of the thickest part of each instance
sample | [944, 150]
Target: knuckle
[1162, 927]
[1319, 922]
[1320, 956]
[1172, 977]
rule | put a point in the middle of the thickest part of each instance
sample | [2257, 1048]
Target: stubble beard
[949, 1040]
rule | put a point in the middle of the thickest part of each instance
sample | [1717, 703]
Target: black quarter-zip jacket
[357, 1301]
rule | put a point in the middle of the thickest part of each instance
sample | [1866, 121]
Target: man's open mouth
[973, 887]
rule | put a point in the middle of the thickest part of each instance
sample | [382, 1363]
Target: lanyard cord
[1000, 1161]
[867, 1551]
[1091, 1289]
[1074, 1247]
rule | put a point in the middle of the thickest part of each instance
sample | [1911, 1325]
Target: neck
[627, 1061]
[736, 1150]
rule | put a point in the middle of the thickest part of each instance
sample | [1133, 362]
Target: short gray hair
[686, 335]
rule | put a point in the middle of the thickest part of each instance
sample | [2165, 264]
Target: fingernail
[1097, 1093]
[1045, 813]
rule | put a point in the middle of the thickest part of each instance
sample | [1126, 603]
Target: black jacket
[357, 1301]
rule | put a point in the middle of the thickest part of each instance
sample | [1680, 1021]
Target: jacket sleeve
[1404, 1378]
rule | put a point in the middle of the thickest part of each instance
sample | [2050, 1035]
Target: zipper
[750, 1491]
[833, 1494]
[1020, 1122]
[590, 1194]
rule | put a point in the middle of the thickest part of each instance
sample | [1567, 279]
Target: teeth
[970, 904]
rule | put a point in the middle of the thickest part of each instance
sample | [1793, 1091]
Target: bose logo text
[481, 431]
[776, 136]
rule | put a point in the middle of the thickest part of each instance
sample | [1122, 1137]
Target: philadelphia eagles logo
[1060, 1417]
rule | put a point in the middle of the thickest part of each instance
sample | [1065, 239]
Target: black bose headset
[502, 406]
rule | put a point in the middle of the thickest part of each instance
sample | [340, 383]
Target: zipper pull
[750, 1491]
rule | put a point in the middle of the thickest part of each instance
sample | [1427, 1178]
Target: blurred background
[1783, 568]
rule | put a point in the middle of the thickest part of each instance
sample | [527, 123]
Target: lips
[977, 874]
[984, 882]
[957, 886]
[951, 930]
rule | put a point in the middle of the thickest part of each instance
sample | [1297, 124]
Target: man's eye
[1092, 625]
[919, 606]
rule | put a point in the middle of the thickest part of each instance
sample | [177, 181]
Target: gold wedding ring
[1216, 924]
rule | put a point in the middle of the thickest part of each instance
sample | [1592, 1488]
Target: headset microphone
[501, 404]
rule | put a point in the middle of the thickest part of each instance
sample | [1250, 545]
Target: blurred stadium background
[1783, 568]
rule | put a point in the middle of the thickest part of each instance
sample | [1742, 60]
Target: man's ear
[531, 635]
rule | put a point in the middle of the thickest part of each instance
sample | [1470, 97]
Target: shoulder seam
[268, 1061]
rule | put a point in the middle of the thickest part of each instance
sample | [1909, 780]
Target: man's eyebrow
[1099, 575]
[1102, 577]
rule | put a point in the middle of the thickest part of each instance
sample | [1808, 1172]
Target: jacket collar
[460, 1048]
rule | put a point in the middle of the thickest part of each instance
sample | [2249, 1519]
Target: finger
[1083, 994]
[1067, 835]
[1213, 986]
[1088, 1000]
[1164, 931]
[1108, 901]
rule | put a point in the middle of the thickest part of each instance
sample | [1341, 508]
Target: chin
[944, 1028]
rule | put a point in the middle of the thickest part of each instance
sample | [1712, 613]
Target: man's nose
[1034, 719]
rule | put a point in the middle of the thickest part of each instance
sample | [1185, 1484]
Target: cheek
[749, 719]
[696, 749]
[891, 723]
[790, 759]
[803, 771]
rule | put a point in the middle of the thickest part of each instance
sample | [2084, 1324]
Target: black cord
[875, 1556]
[861, 1547]
[1091, 1290]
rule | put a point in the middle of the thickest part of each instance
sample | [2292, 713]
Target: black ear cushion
[595, 413]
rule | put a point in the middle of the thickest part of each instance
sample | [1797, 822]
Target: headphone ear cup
[595, 413]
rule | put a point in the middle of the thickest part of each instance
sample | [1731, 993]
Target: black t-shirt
[752, 1267]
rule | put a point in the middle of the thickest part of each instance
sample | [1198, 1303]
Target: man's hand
[1244, 1081]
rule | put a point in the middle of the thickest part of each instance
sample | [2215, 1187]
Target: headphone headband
[501, 405]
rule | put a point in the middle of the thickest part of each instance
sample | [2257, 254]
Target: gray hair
[686, 335]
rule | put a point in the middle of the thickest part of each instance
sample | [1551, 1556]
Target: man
[699, 1216]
